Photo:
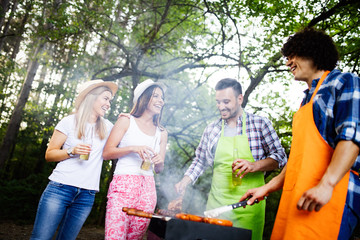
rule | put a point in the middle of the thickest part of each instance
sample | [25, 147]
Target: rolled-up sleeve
[347, 111]
[271, 144]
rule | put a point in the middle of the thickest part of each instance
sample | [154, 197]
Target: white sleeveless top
[130, 163]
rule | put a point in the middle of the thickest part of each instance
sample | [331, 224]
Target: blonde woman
[76, 144]
[139, 144]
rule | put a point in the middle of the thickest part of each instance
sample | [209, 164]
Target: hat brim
[113, 87]
[159, 84]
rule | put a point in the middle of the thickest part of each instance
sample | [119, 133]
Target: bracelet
[69, 152]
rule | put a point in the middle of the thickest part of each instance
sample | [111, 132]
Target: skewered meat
[190, 217]
[136, 212]
[183, 216]
[217, 221]
[196, 218]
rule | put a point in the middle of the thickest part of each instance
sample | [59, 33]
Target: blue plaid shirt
[336, 114]
[262, 137]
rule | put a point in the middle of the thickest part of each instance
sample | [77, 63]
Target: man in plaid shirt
[258, 147]
[320, 183]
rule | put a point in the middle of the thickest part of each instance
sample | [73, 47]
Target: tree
[50, 31]
[3, 9]
[15, 120]
[188, 44]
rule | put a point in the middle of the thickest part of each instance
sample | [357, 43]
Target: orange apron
[309, 158]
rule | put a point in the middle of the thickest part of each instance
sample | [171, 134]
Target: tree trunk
[2, 19]
[3, 9]
[16, 118]
[4, 84]
[50, 121]
[21, 31]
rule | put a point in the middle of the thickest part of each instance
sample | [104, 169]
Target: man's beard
[232, 115]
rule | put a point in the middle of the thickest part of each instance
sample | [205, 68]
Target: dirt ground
[12, 231]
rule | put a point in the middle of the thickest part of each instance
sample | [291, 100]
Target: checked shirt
[262, 137]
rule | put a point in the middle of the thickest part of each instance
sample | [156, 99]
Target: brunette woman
[139, 143]
[76, 144]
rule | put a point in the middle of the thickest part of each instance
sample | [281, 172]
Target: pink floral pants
[131, 191]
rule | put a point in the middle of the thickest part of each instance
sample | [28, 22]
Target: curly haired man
[320, 183]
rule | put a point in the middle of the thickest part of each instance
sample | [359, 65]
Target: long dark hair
[142, 103]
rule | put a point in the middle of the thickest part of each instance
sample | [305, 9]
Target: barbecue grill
[177, 229]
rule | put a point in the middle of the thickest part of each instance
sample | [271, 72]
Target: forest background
[48, 48]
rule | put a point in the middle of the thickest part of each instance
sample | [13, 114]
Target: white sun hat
[145, 85]
[86, 87]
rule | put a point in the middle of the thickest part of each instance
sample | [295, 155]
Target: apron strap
[318, 85]
[222, 127]
[243, 123]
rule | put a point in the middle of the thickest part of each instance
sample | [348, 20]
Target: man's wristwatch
[69, 152]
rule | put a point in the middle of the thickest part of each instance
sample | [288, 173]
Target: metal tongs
[213, 213]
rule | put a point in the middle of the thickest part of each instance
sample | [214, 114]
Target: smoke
[195, 198]
[189, 108]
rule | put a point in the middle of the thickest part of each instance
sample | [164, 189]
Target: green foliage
[9, 87]
[272, 203]
[188, 44]
[97, 215]
[19, 198]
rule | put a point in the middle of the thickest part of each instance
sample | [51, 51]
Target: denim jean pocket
[92, 192]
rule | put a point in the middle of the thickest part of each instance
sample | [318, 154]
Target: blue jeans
[65, 205]
[348, 223]
[351, 215]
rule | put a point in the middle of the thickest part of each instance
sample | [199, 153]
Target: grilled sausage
[216, 221]
[190, 217]
[195, 218]
[182, 216]
[136, 212]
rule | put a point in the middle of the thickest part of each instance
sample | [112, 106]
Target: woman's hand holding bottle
[146, 154]
[144, 151]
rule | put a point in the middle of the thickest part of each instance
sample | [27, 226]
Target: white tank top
[130, 163]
